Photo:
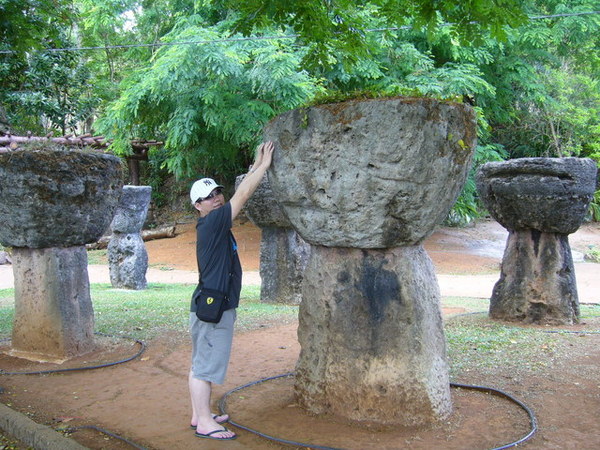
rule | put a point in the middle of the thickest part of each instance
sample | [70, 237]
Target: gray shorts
[211, 347]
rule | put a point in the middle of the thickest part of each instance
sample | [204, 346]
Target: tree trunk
[147, 235]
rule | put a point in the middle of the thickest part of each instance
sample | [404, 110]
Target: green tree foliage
[54, 94]
[31, 24]
[124, 34]
[105, 25]
[534, 89]
[209, 100]
[562, 120]
[546, 78]
[32, 84]
[534, 83]
[341, 26]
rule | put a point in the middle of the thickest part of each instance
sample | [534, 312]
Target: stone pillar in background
[127, 254]
[283, 253]
[53, 201]
[365, 182]
[540, 201]
[283, 258]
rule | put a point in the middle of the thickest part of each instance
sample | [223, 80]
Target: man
[220, 269]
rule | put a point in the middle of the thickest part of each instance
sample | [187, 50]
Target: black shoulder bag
[211, 303]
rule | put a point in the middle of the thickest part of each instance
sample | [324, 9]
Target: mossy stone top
[57, 197]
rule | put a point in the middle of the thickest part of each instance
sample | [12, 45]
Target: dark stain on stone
[535, 237]
[343, 277]
[378, 286]
[537, 311]
[396, 229]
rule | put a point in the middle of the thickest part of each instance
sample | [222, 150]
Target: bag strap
[233, 243]
[233, 250]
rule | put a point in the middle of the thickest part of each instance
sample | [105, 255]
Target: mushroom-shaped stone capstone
[57, 197]
[540, 201]
[370, 174]
[551, 195]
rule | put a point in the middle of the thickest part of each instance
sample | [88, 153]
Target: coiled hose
[223, 400]
[489, 390]
[142, 348]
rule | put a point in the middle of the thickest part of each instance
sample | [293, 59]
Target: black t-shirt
[216, 253]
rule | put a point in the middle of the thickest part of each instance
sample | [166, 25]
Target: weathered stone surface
[54, 317]
[373, 173]
[5, 258]
[540, 201]
[127, 254]
[373, 346]
[537, 280]
[546, 194]
[127, 261]
[132, 209]
[57, 198]
[283, 253]
[262, 208]
[362, 176]
[283, 258]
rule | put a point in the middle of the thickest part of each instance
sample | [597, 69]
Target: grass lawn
[146, 313]
[474, 342]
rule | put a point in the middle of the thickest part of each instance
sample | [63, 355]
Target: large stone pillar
[540, 201]
[127, 254]
[54, 316]
[365, 182]
[283, 253]
[372, 338]
[54, 201]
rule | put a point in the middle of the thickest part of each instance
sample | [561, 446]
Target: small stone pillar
[283, 253]
[540, 201]
[127, 254]
[365, 182]
[53, 201]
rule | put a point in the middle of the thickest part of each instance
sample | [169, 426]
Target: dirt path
[146, 400]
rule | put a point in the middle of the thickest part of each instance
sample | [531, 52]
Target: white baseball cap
[202, 188]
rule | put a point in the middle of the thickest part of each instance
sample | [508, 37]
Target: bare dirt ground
[146, 400]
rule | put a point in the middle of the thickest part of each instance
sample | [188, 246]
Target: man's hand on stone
[267, 153]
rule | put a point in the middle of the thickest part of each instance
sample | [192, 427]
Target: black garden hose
[98, 366]
[223, 409]
[74, 369]
[530, 414]
[532, 419]
[489, 390]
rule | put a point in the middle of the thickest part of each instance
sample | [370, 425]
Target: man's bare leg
[202, 417]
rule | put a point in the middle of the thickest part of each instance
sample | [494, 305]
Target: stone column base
[54, 317]
[372, 338]
[537, 280]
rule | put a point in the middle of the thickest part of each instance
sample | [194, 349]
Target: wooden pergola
[9, 142]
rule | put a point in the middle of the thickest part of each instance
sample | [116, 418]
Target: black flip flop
[210, 435]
